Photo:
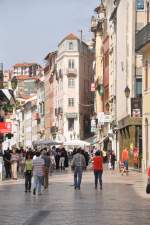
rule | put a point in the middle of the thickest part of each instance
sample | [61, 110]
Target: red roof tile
[70, 36]
[25, 77]
[24, 64]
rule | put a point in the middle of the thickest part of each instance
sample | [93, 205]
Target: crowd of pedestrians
[39, 164]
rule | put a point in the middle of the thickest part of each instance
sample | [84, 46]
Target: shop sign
[103, 118]
[93, 125]
[136, 107]
[5, 127]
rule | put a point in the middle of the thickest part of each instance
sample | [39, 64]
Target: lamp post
[127, 94]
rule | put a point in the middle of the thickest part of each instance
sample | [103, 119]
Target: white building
[73, 100]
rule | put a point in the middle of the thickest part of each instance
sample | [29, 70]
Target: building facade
[74, 101]
[50, 94]
[143, 47]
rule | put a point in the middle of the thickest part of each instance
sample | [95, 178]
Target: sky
[29, 29]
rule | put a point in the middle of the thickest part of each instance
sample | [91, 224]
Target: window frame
[71, 102]
[70, 45]
[138, 4]
[71, 83]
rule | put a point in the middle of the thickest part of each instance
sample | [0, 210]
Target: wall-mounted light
[127, 92]
[100, 89]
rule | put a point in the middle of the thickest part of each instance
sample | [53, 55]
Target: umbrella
[76, 143]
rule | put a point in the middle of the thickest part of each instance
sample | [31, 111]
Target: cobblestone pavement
[121, 202]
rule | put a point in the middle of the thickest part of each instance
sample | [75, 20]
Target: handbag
[148, 186]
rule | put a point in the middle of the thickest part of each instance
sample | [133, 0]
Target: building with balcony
[142, 46]
[73, 98]
[50, 78]
[27, 69]
[118, 74]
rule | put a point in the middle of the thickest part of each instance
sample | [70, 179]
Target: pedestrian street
[121, 202]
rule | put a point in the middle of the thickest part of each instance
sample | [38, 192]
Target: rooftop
[70, 36]
[25, 77]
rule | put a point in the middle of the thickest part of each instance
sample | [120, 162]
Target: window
[139, 4]
[41, 108]
[70, 102]
[71, 64]
[71, 83]
[70, 45]
[70, 124]
[138, 87]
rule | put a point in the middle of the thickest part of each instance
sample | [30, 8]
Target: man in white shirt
[38, 173]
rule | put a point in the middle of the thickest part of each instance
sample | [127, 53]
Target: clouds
[32, 28]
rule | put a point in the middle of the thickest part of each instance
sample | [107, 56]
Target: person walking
[62, 159]
[28, 172]
[7, 163]
[113, 159]
[78, 164]
[46, 158]
[38, 173]
[125, 159]
[98, 168]
[14, 162]
[57, 158]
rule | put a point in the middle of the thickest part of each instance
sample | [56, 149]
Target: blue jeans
[126, 164]
[77, 177]
[38, 183]
[98, 177]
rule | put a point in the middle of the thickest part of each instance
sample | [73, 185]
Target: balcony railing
[142, 37]
[71, 72]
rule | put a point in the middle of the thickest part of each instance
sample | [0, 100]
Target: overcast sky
[29, 29]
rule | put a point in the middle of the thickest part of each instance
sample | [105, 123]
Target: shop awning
[92, 140]
[6, 95]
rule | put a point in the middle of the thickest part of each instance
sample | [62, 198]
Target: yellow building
[143, 47]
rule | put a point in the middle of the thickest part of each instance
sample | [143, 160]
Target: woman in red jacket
[98, 168]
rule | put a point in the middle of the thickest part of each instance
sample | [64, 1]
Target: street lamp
[100, 89]
[127, 91]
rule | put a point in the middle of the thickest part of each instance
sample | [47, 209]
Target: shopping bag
[148, 187]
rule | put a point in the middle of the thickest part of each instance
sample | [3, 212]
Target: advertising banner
[5, 127]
